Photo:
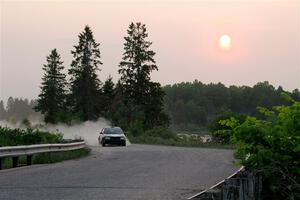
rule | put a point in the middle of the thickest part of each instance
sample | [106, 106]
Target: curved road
[133, 172]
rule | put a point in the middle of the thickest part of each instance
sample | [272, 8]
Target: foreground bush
[222, 136]
[272, 146]
[14, 137]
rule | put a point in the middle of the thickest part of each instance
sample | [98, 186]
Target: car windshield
[115, 130]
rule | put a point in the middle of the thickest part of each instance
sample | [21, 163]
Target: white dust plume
[89, 130]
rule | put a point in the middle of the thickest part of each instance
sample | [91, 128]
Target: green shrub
[136, 129]
[272, 146]
[162, 133]
[222, 136]
[215, 125]
[14, 137]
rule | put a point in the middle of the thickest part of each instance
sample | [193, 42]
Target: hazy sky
[265, 39]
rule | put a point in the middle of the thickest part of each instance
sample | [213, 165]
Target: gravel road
[132, 172]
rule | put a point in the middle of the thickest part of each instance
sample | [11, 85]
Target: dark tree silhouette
[191, 105]
[143, 98]
[2, 111]
[85, 97]
[51, 100]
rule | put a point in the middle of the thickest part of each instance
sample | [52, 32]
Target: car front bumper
[114, 140]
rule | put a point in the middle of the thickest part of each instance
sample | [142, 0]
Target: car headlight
[107, 138]
[122, 138]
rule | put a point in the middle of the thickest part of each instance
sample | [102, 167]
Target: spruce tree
[2, 111]
[84, 83]
[51, 100]
[141, 96]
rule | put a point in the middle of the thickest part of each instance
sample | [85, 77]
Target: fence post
[15, 161]
[29, 159]
[1, 163]
[240, 187]
[259, 177]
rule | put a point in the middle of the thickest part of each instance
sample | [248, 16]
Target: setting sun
[225, 42]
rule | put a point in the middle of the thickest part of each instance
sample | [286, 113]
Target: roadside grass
[15, 137]
[179, 142]
[51, 157]
[164, 136]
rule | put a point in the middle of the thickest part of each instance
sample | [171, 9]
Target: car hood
[114, 135]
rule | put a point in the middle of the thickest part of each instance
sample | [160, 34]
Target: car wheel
[103, 143]
[123, 143]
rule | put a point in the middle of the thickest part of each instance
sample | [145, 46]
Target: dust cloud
[89, 130]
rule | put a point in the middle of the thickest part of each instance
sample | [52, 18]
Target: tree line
[195, 105]
[82, 96]
[190, 105]
[17, 109]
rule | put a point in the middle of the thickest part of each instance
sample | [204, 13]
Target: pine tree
[2, 111]
[10, 104]
[137, 62]
[141, 96]
[51, 100]
[85, 85]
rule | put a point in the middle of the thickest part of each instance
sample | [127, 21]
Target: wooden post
[29, 159]
[259, 177]
[15, 161]
[1, 163]
[240, 187]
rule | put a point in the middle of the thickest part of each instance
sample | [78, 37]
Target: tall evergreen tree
[2, 110]
[85, 85]
[51, 100]
[141, 95]
[10, 104]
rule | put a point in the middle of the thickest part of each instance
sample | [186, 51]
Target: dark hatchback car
[112, 135]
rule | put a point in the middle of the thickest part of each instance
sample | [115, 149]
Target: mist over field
[89, 130]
